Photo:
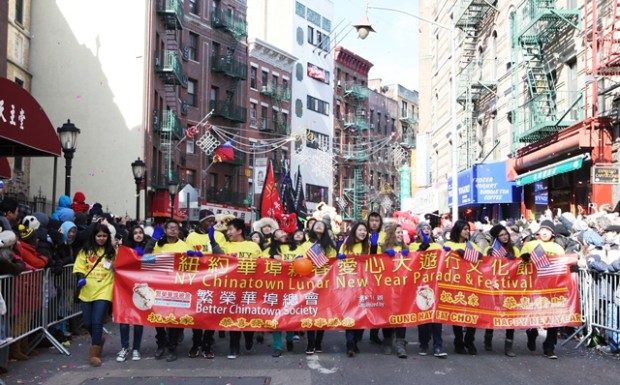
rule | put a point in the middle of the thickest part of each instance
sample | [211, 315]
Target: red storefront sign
[222, 292]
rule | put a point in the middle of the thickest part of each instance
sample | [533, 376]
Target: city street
[332, 367]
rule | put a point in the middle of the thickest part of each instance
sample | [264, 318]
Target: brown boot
[94, 355]
[15, 351]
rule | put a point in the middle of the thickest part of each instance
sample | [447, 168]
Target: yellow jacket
[100, 281]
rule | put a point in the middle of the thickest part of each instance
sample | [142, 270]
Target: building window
[253, 78]
[317, 140]
[253, 112]
[263, 117]
[318, 73]
[264, 78]
[274, 118]
[318, 105]
[316, 193]
[190, 145]
[192, 86]
[18, 163]
[193, 7]
[274, 81]
[192, 46]
[19, 12]
[310, 35]
[190, 177]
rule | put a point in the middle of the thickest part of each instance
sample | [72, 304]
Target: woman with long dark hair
[93, 268]
[357, 243]
[459, 241]
[501, 247]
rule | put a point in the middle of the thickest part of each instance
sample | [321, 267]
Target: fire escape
[168, 66]
[354, 149]
[538, 25]
[472, 87]
[232, 65]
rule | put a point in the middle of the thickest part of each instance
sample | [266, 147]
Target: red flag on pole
[270, 204]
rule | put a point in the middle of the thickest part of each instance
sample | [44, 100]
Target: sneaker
[608, 350]
[318, 348]
[440, 354]
[172, 356]
[232, 356]
[194, 352]
[276, 353]
[296, 337]
[309, 350]
[159, 353]
[423, 351]
[550, 354]
[135, 355]
[122, 355]
[471, 349]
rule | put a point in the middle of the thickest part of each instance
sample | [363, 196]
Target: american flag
[539, 257]
[157, 262]
[471, 255]
[498, 251]
[557, 266]
[315, 253]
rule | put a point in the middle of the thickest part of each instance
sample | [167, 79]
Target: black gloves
[574, 268]
[525, 257]
[461, 253]
[424, 246]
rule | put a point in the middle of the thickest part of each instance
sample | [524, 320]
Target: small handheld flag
[498, 251]
[316, 255]
[539, 257]
[471, 255]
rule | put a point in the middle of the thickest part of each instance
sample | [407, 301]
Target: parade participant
[309, 223]
[318, 234]
[279, 248]
[93, 268]
[258, 238]
[239, 248]
[357, 243]
[203, 239]
[135, 239]
[501, 247]
[424, 241]
[459, 241]
[393, 244]
[167, 241]
[266, 226]
[546, 235]
[376, 237]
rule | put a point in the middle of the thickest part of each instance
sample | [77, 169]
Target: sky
[393, 49]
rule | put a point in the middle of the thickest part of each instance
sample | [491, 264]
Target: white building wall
[282, 27]
[88, 61]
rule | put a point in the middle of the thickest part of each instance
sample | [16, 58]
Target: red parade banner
[371, 291]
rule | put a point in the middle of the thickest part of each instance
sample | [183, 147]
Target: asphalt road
[585, 366]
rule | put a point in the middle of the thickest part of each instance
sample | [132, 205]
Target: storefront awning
[485, 183]
[567, 165]
[25, 129]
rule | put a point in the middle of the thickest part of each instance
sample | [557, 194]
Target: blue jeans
[425, 332]
[93, 314]
[613, 321]
[137, 336]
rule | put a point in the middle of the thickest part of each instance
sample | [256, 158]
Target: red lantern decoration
[302, 266]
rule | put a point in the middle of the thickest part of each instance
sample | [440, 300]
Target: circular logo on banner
[425, 297]
[143, 296]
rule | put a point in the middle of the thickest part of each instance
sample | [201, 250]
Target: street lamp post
[68, 134]
[138, 167]
[364, 28]
[173, 187]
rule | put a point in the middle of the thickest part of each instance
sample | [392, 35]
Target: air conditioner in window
[264, 89]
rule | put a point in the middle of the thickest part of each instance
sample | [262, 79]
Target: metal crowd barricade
[36, 301]
[600, 305]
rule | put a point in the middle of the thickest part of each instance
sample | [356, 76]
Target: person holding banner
[203, 239]
[238, 247]
[424, 241]
[137, 240]
[502, 247]
[356, 243]
[318, 234]
[539, 251]
[459, 242]
[95, 276]
[377, 237]
[393, 244]
[167, 240]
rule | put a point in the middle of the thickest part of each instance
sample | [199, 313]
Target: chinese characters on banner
[222, 292]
